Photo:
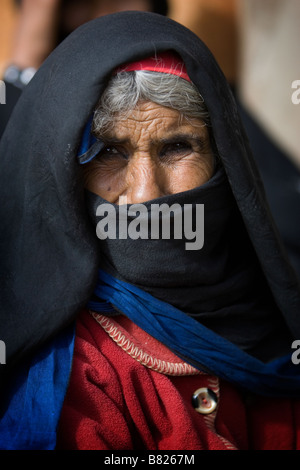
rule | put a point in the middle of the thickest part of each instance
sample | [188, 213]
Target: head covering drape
[49, 257]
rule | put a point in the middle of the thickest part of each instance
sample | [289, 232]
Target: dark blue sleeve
[35, 397]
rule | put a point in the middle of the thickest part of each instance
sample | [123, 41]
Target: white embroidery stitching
[163, 367]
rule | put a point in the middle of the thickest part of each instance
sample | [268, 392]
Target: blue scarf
[195, 343]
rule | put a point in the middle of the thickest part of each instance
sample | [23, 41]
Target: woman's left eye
[176, 149]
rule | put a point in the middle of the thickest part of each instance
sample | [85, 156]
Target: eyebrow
[192, 137]
[113, 140]
[195, 138]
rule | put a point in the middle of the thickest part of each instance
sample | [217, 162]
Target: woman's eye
[176, 149]
[112, 152]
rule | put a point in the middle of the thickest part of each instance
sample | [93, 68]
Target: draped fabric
[31, 406]
[196, 344]
[49, 250]
[220, 285]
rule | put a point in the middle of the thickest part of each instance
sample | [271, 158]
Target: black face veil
[49, 256]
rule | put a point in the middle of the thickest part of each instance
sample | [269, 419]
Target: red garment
[120, 397]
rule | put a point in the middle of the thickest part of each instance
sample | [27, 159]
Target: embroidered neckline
[177, 369]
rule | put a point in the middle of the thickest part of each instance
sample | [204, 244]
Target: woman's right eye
[112, 152]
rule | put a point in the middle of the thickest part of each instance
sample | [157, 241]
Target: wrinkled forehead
[168, 62]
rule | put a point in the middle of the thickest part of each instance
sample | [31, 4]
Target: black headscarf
[49, 256]
[220, 284]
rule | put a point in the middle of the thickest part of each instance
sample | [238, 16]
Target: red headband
[165, 62]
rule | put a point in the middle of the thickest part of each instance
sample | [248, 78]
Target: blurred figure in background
[269, 64]
[45, 23]
[42, 25]
[215, 22]
[256, 44]
[9, 16]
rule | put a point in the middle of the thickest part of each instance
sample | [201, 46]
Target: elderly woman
[134, 210]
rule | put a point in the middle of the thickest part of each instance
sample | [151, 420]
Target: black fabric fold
[221, 285]
[49, 251]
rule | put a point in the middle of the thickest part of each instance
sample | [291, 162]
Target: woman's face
[151, 153]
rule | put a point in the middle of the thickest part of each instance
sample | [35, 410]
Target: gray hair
[126, 89]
